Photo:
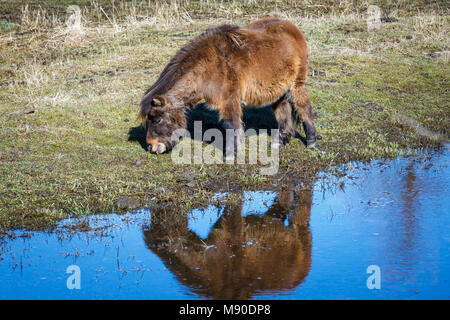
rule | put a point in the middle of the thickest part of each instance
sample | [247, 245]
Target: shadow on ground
[258, 119]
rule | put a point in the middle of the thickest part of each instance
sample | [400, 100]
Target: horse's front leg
[232, 140]
[231, 123]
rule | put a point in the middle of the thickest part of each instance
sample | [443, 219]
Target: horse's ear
[158, 101]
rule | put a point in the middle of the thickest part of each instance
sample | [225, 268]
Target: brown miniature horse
[263, 63]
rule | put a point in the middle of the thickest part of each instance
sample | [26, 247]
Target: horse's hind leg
[230, 115]
[300, 98]
[282, 111]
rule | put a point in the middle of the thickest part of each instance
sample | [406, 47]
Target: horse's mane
[185, 59]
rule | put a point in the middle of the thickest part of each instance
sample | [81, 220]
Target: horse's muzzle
[158, 148]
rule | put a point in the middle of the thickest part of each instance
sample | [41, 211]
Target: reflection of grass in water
[72, 155]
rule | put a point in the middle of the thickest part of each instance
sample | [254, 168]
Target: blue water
[292, 244]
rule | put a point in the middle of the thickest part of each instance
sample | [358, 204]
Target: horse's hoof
[313, 144]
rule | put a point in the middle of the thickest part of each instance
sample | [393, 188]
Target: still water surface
[291, 244]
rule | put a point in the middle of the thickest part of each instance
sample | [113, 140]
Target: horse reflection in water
[241, 256]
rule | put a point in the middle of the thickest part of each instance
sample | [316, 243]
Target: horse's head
[162, 119]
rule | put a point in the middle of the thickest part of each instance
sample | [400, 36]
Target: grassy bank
[69, 98]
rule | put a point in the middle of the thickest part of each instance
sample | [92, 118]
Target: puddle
[293, 244]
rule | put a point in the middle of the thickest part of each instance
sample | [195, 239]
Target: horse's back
[278, 56]
[275, 27]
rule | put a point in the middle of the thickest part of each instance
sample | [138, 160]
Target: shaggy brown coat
[263, 63]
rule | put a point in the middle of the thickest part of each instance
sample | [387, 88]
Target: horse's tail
[300, 81]
[296, 119]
